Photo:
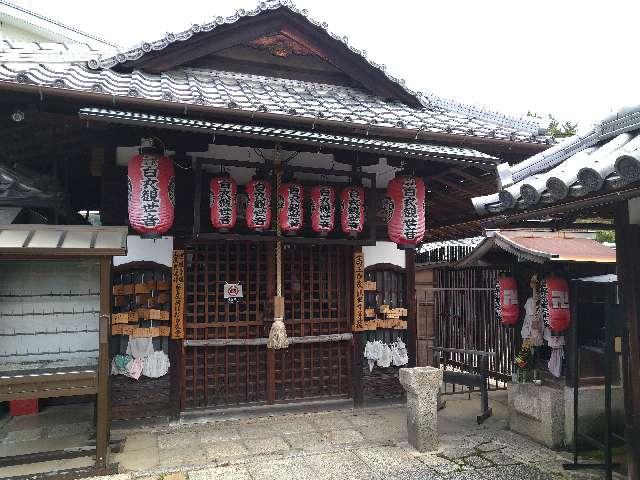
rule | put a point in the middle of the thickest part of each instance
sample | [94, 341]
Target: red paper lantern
[258, 214]
[290, 207]
[406, 226]
[223, 202]
[507, 308]
[352, 210]
[323, 209]
[555, 303]
[151, 192]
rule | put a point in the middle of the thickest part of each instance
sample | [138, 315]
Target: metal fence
[465, 319]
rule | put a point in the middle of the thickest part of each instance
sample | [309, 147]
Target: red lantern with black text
[406, 226]
[151, 191]
[323, 209]
[223, 193]
[290, 207]
[556, 312]
[507, 308]
[258, 214]
[352, 210]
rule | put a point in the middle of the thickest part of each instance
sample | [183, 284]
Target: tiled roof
[540, 247]
[606, 157]
[410, 149]
[63, 240]
[66, 66]
[28, 53]
[512, 124]
[253, 93]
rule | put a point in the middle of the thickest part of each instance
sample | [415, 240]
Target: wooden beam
[225, 342]
[412, 320]
[103, 407]
[628, 265]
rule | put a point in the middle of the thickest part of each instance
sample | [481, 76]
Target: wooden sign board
[358, 292]
[152, 314]
[370, 286]
[177, 295]
[125, 317]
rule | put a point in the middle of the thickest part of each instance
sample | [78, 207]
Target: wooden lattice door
[317, 290]
[225, 359]
[221, 375]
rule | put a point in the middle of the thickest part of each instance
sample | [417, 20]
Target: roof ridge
[427, 99]
[58, 24]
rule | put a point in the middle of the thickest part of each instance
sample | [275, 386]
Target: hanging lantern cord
[278, 333]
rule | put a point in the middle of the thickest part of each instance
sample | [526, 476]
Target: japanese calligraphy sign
[223, 203]
[323, 200]
[151, 193]
[290, 207]
[407, 224]
[177, 295]
[352, 210]
[358, 292]
[258, 214]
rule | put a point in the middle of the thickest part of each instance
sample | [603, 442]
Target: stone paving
[351, 444]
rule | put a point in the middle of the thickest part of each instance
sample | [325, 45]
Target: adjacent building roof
[55, 240]
[540, 246]
[47, 28]
[605, 157]
[62, 68]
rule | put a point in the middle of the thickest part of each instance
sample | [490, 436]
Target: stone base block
[537, 412]
[422, 385]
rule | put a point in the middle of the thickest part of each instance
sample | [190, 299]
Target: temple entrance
[225, 358]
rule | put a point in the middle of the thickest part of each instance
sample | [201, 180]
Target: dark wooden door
[318, 301]
[225, 356]
[221, 375]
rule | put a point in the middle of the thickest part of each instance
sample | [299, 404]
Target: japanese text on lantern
[177, 295]
[358, 291]
[293, 213]
[260, 204]
[150, 191]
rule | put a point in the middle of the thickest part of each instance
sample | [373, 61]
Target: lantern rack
[371, 200]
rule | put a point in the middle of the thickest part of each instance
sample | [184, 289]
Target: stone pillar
[422, 385]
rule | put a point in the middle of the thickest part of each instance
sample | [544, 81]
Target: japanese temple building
[265, 94]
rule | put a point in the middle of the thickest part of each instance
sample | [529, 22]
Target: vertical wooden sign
[358, 291]
[177, 295]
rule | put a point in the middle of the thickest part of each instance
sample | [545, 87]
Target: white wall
[383, 252]
[158, 250]
[48, 307]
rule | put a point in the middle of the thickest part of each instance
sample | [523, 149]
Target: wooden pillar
[628, 265]
[103, 400]
[357, 352]
[412, 310]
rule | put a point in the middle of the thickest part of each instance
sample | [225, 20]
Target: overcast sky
[575, 59]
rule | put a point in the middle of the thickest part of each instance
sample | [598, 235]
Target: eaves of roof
[458, 156]
[225, 95]
[604, 158]
[539, 249]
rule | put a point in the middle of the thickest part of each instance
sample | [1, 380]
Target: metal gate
[226, 361]
[465, 319]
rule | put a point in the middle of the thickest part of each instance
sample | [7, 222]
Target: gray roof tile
[606, 157]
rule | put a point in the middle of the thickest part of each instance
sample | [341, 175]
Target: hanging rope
[278, 334]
